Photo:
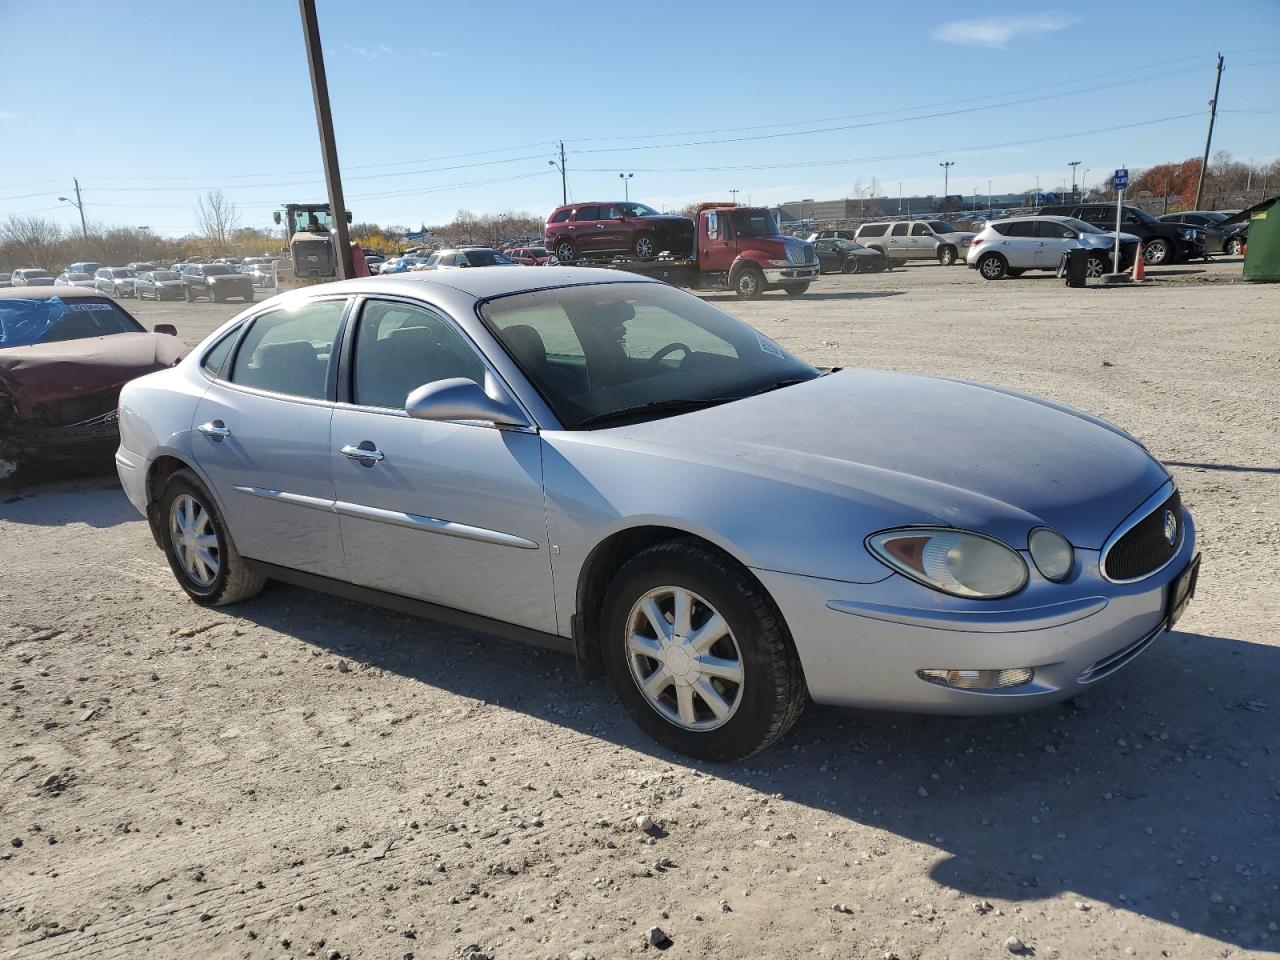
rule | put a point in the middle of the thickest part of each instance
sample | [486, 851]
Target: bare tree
[217, 218]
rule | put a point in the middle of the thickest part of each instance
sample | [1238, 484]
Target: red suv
[529, 256]
[583, 230]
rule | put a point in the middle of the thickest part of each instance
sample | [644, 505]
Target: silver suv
[903, 240]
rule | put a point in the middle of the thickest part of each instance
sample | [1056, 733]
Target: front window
[487, 258]
[920, 230]
[1138, 215]
[941, 226]
[620, 352]
[848, 246]
[753, 223]
[25, 322]
[399, 347]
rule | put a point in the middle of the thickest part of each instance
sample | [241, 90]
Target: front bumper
[861, 644]
[785, 275]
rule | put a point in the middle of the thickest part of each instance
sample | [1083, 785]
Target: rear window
[27, 322]
[872, 230]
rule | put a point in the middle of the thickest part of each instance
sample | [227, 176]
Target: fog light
[978, 679]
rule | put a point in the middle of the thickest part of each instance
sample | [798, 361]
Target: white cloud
[431, 53]
[361, 52]
[997, 32]
[383, 48]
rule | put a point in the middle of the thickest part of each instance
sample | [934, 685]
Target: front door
[611, 230]
[451, 513]
[261, 438]
[716, 247]
[1055, 239]
[583, 229]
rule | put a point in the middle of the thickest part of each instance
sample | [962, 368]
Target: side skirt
[416, 608]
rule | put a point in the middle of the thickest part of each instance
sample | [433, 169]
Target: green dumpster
[1262, 259]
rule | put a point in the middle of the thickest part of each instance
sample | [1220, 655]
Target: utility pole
[328, 146]
[1073, 164]
[946, 166]
[1208, 140]
[79, 205]
[564, 183]
[899, 197]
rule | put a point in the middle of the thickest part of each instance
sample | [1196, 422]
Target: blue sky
[439, 106]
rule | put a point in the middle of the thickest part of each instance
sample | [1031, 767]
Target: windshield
[24, 322]
[1142, 215]
[216, 270]
[121, 272]
[33, 274]
[636, 210]
[1080, 226]
[486, 258]
[77, 276]
[753, 223]
[164, 275]
[312, 220]
[847, 245]
[941, 226]
[602, 351]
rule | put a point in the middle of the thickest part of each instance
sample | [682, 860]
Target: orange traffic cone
[1139, 266]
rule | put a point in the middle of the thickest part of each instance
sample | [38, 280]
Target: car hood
[913, 449]
[44, 372]
[959, 235]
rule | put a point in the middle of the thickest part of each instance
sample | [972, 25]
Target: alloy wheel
[684, 658]
[195, 543]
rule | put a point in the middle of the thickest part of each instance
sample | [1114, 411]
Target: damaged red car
[64, 355]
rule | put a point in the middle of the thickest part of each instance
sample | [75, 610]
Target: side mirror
[168, 328]
[460, 399]
[276, 217]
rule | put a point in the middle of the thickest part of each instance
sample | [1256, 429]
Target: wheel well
[161, 469]
[997, 254]
[598, 571]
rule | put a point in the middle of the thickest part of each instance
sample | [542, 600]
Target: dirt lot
[299, 775]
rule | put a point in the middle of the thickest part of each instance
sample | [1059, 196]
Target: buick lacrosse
[599, 463]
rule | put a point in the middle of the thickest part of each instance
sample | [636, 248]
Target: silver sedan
[599, 463]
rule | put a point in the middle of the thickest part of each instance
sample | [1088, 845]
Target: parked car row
[1008, 248]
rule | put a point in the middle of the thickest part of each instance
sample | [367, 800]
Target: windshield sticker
[90, 306]
[769, 347]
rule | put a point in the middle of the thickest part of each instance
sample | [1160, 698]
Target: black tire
[564, 251]
[851, 265]
[796, 289]
[1011, 272]
[1156, 252]
[992, 266]
[749, 283]
[248, 297]
[1097, 265]
[946, 255]
[645, 246]
[234, 581]
[1234, 247]
[773, 692]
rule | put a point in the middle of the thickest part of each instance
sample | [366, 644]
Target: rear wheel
[749, 284]
[850, 266]
[1097, 265]
[1234, 247]
[564, 251]
[199, 549]
[947, 255]
[993, 267]
[698, 653]
[186, 292]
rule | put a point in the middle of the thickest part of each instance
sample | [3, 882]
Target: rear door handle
[363, 453]
[215, 430]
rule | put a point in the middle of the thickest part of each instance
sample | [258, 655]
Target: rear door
[262, 438]
[1020, 246]
[451, 513]
[897, 243]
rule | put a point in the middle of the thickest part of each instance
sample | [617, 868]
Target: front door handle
[363, 453]
[215, 430]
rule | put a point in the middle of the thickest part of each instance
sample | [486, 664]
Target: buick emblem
[1170, 527]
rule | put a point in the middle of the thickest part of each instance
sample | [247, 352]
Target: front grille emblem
[1170, 527]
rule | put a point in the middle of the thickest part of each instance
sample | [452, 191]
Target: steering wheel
[669, 348]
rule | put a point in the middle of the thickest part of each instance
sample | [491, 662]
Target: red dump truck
[735, 248]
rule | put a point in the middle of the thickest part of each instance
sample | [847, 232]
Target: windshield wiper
[655, 406]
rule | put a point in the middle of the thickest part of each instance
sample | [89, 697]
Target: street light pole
[1073, 164]
[328, 145]
[79, 205]
[734, 194]
[946, 166]
[626, 185]
[564, 183]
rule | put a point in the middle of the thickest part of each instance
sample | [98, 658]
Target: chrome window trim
[1140, 513]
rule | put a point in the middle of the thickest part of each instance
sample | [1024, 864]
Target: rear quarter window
[872, 230]
[561, 216]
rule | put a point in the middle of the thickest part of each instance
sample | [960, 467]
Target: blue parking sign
[1121, 179]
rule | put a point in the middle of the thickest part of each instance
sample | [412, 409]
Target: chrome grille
[800, 254]
[1144, 548]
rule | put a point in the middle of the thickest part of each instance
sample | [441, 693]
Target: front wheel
[248, 297]
[1097, 265]
[749, 284]
[645, 247]
[199, 549]
[796, 289]
[850, 266]
[992, 267]
[1156, 252]
[698, 653]
[947, 256]
[1235, 246]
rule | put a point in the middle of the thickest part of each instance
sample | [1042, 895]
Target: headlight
[1188, 235]
[1052, 553]
[957, 562]
[776, 263]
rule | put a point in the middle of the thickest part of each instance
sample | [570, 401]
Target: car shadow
[851, 295]
[97, 501]
[1156, 794]
[1223, 467]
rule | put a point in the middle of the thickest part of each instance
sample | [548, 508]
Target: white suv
[904, 240]
[1007, 248]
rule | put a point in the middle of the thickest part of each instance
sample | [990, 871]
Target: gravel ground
[301, 776]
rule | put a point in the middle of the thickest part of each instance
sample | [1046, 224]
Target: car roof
[48, 293]
[480, 283]
[1032, 216]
